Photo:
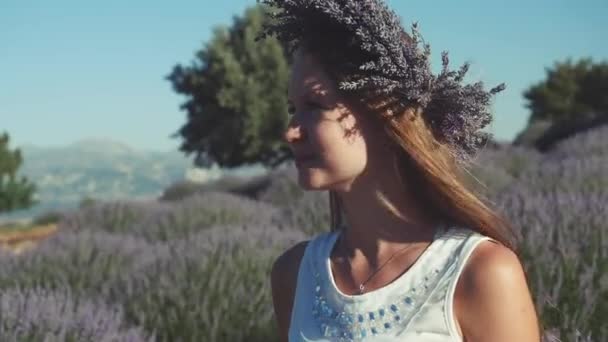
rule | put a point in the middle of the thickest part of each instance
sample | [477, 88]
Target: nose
[293, 133]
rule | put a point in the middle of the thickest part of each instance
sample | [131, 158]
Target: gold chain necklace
[362, 285]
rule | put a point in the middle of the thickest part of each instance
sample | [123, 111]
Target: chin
[314, 180]
[311, 179]
[308, 183]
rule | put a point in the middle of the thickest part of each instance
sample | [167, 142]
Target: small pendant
[361, 288]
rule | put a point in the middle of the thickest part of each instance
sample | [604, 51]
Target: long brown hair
[428, 165]
[431, 170]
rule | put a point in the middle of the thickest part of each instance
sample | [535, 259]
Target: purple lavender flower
[365, 49]
[37, 314]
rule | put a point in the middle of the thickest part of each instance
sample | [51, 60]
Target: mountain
[103, 169]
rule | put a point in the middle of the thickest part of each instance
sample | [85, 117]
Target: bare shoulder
[494, 301]
[284, 277]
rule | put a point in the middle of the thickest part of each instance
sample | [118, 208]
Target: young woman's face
[323, 133]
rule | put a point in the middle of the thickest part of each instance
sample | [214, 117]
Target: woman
[413, 254]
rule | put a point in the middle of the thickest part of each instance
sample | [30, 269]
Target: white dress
[417, 306]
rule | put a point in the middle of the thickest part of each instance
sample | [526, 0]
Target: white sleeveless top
[417, 306]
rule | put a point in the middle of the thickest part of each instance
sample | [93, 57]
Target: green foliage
[47, 218]
[570, 100]
[236, 101]
[566, 128]
[571, 90]
[86, 202]
[14, 193]
[534, 131]
[251, 187]
[180, 190]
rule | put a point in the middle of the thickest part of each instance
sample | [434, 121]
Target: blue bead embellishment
[341, 322]
[349, 319]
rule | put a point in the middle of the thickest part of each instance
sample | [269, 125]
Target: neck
[389, 219]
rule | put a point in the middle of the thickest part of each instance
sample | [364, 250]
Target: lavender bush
[513, 160]
[155, 282]
[565, 249]
[209, 288]
[309, 213]
[284, 188]
[114, 217]
[83, 261]
[196, 268]
[179, 219]
[267, 237]
[163, 221]
[591, 143]
[37, 314]
[576, 173]
[489, 179]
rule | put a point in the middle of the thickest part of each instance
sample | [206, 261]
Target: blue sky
[72, 70]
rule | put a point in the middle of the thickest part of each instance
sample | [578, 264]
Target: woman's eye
[291, 110]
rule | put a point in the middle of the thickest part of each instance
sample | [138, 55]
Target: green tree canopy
[236, 96]
[570, 100]
[14, 193]
[570, 91]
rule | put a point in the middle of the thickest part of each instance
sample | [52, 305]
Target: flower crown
[393, 64]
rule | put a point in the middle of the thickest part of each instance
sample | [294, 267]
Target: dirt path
[19, 240]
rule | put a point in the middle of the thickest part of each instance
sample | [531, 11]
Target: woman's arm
[495, 302]
[283, 279]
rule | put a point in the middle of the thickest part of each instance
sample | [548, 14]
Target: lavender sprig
[366, 48]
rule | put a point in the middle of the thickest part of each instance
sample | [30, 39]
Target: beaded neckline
[345, 318]
[403, 278]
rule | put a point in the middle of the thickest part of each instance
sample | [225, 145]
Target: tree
[14, 193]
[236, 97]
[570, 100]
[570, 91]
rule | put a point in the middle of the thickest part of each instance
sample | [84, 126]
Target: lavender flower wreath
[370, 53]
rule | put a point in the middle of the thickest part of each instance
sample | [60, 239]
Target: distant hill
[103, 169]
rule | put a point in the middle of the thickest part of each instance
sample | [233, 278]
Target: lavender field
[196, 267]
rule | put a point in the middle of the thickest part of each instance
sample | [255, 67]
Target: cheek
[351, 157]
[343, 153]
[340, 160]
